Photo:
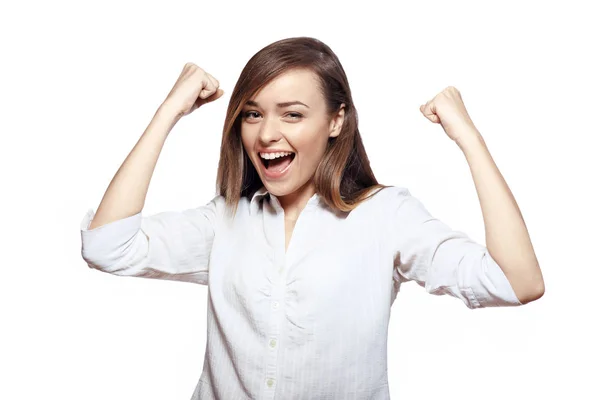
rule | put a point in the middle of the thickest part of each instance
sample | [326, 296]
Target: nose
[269, 131]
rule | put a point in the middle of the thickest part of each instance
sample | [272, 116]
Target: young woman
[303, 252]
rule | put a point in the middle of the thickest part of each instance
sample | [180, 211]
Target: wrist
[164, 120]
[169, 112]
[470, 144]
[468, 136]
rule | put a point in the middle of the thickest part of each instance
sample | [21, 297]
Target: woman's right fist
[193, 88]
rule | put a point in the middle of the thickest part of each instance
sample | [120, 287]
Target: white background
[80, 81]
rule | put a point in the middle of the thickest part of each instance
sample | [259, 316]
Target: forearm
[126, 193]
[507, 238]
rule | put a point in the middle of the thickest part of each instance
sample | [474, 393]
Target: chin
[279, 188]
[283, 188]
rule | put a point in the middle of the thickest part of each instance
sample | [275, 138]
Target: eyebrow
[280, 105]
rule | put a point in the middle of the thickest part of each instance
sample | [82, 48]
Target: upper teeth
[270, 156]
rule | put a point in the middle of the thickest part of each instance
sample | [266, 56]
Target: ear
[335, 127]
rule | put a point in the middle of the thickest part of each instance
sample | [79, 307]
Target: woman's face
[288, 115]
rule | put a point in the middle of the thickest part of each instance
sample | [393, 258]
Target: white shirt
[310, 323]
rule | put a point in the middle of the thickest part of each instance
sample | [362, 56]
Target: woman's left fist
[447, 109]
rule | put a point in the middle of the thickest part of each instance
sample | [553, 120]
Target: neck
[293, 203]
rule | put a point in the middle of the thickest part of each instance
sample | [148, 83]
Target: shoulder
[228, 213]
[213, 210]
[392, 195]
[382, 202]
[398, 202]
[216, 204]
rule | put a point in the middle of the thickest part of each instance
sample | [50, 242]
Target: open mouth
[279, 163]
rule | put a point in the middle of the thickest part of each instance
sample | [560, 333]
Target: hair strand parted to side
[344, 177]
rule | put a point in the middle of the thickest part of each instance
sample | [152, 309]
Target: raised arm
[506, 234]
[171, 245]
[126, 193]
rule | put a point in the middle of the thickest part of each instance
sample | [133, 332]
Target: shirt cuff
[107, 239]
[131, 221]
[497, 291]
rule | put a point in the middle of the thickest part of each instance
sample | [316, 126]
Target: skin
[303, 130]
[266, 125]
[507, 238]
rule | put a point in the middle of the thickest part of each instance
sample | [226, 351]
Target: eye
[247, 114]
[295, 115]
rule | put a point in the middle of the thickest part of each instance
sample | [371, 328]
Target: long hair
[343, 177]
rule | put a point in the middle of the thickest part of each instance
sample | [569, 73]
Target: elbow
[538, 292]
[532, 292]
[99, 264]
[118, 254]
[527, 283]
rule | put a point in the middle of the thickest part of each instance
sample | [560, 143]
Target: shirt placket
[276, 231]
[273, 340]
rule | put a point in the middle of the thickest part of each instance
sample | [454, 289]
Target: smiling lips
[276, 164]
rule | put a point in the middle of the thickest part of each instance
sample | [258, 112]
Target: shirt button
[270, 382]
[273, 343]
[275, 305]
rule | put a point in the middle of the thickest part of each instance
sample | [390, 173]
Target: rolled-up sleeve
[442, 260]
[171, 245]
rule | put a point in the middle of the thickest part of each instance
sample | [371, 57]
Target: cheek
[311, 142]
[247, 139]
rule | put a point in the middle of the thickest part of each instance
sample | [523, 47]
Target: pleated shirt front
[310, 322]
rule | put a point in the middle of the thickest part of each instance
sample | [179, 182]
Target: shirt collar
[259, 194]
[264, 193]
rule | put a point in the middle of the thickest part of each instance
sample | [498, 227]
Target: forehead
[298, 84]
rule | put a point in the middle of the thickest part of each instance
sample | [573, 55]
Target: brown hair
[344, 177]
